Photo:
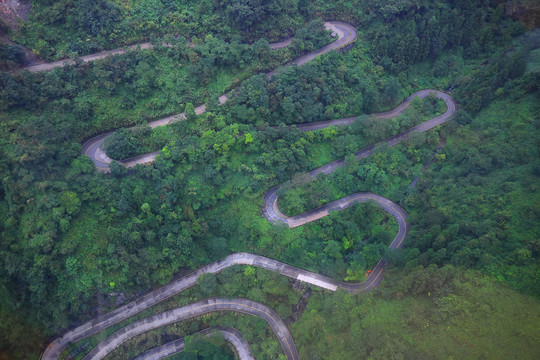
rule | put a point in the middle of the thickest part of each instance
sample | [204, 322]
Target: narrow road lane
[271, 211]
[86, 58]
[233, 336]
[197, 309]
[92, 148]
[107, 53]
[270, 208]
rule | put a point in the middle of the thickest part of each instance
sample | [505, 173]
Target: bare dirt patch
[12, 11]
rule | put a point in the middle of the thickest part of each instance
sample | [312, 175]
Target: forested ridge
[74, 241]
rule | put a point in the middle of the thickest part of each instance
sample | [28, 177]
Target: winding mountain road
[233, 336]
[271, 210]
[346, 35]
[199, 308]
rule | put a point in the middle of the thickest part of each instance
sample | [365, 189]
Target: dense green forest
[76, 243]
[63, 28]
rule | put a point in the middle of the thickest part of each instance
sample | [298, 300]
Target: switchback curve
[270, 209]
[199, 308]
[272, 213]
[346, 34]
[144, 302]
[231, 335]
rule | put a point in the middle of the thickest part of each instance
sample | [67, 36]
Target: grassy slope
[480, 319]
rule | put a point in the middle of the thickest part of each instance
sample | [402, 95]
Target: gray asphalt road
[104, 54]
[197, 309]
[272, 213]
[86, 58]
[346, 34]
[144, 302]
[270, 208]
[233, 336]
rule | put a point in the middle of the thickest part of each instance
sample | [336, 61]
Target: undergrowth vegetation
[71, 236]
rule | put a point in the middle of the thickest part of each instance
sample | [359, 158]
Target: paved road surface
[271, 210]
[199, 308]
[346, 34]
[272, 213]
[144, 302]
[86, 58]
[231, 335]
[104, 54]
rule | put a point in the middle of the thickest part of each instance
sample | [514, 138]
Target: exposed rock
[526, 11]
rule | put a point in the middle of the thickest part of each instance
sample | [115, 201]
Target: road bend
[346, 35]
[270, 208]
[232, 336]
[199, 308]
[102, 322]
[271, 212]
